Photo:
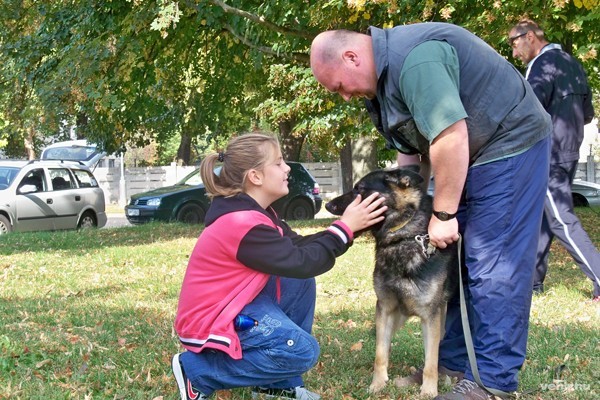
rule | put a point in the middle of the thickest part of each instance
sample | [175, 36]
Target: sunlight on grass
[89, 315]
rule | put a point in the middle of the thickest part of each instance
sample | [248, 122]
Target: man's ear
[351, 56]
[254, 177]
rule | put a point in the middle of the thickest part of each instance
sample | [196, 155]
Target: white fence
[328, 175]
[138, 180]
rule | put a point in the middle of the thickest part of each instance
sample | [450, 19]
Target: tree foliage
[132, 72]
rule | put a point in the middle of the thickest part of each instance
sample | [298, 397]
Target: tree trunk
[346, 166]
[184, 152]
[291, 146]
[81, 122]
[28, 142]
[364, 157]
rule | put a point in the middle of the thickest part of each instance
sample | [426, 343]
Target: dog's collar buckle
[427, 248]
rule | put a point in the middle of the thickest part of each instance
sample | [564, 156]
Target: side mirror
[26, 189]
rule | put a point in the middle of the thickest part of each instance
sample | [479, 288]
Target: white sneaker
[186, 390]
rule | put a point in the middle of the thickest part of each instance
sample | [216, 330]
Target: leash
[467, 330]
[428, 250]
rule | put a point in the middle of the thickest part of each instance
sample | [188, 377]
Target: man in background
[561, 85]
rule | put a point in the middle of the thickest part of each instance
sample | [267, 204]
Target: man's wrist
[444, 215]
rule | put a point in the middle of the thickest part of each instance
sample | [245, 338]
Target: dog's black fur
[407, 281]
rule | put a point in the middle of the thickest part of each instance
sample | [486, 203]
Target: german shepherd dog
[410, 278]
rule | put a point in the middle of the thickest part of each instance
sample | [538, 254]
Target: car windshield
[192, 179]
[7, 175]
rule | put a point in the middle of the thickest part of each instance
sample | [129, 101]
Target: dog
[410, 277]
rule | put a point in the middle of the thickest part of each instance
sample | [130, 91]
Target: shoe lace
[464, 386]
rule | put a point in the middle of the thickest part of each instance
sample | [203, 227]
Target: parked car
[186, 201]
[585, 193]
[74, 150]
[49, 195]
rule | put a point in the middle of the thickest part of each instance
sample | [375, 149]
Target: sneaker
[299, 392]
[416, 378]
[467, 390]
[596, 299]
[186, 390]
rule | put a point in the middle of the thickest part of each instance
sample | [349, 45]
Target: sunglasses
[511, 39]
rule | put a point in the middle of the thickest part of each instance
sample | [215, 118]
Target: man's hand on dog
[442, 233]
[361, 214]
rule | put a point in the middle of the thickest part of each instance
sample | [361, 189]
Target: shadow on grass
[21, 242]
[561, 361]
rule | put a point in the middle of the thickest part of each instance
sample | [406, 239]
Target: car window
[192, 179]
[36, 178]
[61, 179]
[7, 175]
[85, 178]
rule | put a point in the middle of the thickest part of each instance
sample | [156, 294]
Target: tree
[132, 72]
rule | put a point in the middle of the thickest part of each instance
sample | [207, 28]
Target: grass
[89, 315]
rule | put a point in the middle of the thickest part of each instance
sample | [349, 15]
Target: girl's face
[275, 178]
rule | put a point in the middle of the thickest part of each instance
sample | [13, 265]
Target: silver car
[585, 194]
[49, 195]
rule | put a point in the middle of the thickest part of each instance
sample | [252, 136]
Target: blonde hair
[243, 153]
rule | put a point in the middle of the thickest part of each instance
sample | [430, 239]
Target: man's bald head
[342, 61]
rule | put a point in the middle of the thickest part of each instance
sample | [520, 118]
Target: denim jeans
[499, 219]
[275, 353]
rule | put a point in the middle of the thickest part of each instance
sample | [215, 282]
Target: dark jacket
[560, 83]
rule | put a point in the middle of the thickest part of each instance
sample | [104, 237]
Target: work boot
[417, 377]
[298, 393]
[467, 390]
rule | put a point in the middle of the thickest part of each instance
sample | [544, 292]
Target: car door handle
[49, 201]
[77, 198]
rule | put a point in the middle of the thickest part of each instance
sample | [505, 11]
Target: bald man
[439, 94]
[561, 85]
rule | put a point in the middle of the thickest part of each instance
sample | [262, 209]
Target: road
[116, 220]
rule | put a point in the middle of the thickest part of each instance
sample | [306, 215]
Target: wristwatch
[443, 215]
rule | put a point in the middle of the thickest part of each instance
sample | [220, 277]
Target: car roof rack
[56, 161]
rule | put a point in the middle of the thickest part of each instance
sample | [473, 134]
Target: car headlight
[154, 202]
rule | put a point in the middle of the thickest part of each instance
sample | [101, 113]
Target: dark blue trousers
[560, 221]
[499, 218]
[275, 353]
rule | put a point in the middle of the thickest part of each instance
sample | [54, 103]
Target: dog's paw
[415, 378]
[429, 391]
[377, 385]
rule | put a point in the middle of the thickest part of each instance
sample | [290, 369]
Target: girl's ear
[254, 177]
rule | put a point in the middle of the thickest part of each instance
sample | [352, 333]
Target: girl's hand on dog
[361, 214]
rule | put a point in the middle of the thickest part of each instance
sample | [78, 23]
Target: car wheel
[191, 214]
[299, 209]
[579, 201]
[87, 221]
[5, 226]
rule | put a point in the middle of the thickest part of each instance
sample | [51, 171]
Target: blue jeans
[275, 353]
[500, 219]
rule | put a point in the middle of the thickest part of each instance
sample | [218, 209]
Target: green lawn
[89, 316]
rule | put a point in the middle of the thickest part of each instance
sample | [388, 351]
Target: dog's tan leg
[387, 320]
[432, 330]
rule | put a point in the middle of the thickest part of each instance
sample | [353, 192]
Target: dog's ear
[408, 178]
[404, 177]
